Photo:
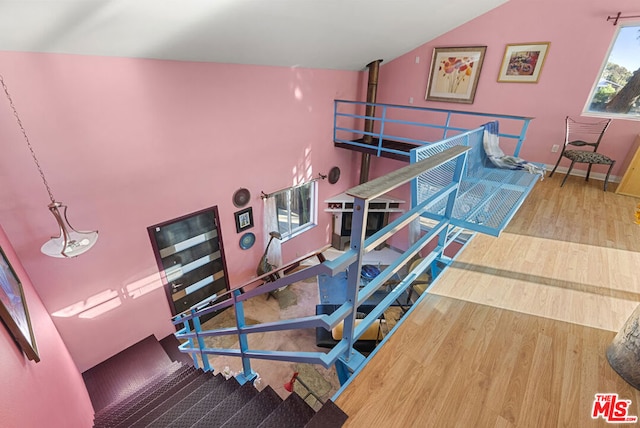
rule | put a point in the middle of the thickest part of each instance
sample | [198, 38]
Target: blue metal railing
[416, 125]
[452, 187]
[489, 196]
[343, 355]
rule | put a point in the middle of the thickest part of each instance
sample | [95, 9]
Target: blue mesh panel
[488, 197]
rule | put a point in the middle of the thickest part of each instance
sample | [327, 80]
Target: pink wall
[130, 143]
[580, 36]
[50, 393]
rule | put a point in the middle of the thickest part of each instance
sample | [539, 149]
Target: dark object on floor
[289, 386]
[263, 265]
[369, 272]
[179, 395]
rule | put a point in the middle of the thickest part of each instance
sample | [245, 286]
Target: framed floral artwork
[522, 63]
[454, 74]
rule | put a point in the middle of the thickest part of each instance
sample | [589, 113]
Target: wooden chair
[581, 134]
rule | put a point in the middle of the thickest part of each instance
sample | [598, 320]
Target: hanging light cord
[26, 138]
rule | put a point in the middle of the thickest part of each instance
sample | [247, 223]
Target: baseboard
[583, 173]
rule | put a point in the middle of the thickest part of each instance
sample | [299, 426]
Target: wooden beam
[381, 185]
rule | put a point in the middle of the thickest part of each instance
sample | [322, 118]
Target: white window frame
[594, 89]
[313, 211]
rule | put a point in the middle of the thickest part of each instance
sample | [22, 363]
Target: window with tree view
[296, 208]
[617, 91]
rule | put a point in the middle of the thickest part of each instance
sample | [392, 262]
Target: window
[616, 93]
[296, 209]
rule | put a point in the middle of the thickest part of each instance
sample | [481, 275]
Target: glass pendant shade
[71, 242]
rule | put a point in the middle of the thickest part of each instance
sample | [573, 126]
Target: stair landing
[125, 372]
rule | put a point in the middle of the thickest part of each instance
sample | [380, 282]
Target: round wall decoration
[241, 197]
[247, 240]
[334, 175]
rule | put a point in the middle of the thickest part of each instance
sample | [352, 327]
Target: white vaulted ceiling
[335, 34]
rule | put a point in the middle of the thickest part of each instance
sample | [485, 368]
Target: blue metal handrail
[343, 354]
[398, 128]
[488, 197]
[443, 175]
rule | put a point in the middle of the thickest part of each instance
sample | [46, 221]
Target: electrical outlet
[555, 148]
[417, 60]
[410, 100]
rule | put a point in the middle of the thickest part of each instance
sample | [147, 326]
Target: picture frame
[14, 311]
[454, 74]
[244, 219]
[522, 62]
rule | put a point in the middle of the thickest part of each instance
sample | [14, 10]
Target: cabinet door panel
[630, 183]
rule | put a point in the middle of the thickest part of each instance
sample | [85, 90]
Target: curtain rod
[268, 195]
[619, 16]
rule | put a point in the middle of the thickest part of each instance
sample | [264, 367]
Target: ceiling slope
[333, 34]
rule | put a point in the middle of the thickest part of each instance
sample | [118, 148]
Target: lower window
[296, 209]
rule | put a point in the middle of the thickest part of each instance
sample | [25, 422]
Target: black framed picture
[13, 309]
[244, 219]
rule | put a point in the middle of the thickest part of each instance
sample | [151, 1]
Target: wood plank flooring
[514, 333]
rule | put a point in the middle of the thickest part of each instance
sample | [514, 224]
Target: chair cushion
[324, 338]
[584, 156]
[374, 332]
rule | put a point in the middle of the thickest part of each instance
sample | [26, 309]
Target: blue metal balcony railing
[417, 126]
[488, 197]
[343, 354]
[454, 191]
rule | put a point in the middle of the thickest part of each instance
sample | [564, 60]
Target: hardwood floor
[515, 332]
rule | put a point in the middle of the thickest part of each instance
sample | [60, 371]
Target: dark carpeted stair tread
[125, 406]
[329, 416]
[256, 410]
[134, 393]
[294, 412]
[179, 379]
[210, 401]
[107, 419]
[157, 397]
[176, 398]
[125, 371]
[167, 400]
[227, 407]
[188, 401]
[125, 403]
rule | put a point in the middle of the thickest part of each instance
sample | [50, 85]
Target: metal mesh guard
[487, 196]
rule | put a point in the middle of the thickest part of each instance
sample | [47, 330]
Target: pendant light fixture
[70, 242]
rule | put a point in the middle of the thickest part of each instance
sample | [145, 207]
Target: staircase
[180, 395]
